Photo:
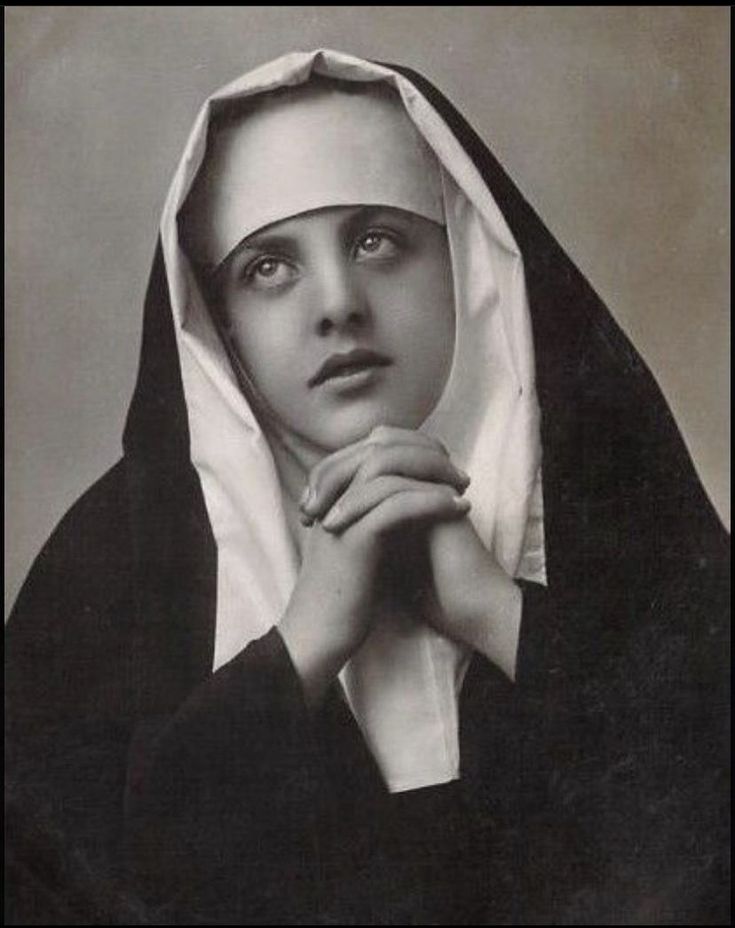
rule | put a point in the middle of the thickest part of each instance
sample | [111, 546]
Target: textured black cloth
[145, 789]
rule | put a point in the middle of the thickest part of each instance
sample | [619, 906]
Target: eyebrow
[277, 241]
[262, 241]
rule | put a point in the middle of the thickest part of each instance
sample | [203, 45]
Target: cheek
[425, 314]
[266, 349]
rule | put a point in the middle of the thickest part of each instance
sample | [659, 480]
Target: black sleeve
[540, 644]
[118, 818]
[221, 797]
[193, 816]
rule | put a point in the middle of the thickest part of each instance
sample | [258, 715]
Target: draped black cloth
[144, 789]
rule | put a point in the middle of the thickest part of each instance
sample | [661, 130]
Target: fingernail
[306, 498]
[331, 518]
[461, 503]
[464, 475]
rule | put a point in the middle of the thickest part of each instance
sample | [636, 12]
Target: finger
[432, 503]
[335, 472]
[390, 434]
[381, 435]
[415, 461]
[330, 478]
[359, 499]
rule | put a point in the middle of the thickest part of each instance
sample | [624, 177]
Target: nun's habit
[163, 766]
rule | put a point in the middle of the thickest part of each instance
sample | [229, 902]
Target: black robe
[145, 789]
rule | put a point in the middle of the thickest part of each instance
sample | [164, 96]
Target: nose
[340, 300]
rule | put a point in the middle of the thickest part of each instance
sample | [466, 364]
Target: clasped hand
[389, 493]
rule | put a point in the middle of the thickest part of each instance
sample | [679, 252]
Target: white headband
[304, 149]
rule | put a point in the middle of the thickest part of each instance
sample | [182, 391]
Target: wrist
[316, 662]
[480, 603]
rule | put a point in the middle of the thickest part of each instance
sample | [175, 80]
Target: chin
[359, 425]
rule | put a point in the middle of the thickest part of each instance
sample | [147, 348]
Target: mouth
[344, 366]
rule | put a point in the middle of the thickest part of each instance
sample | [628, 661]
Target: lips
[340, 365]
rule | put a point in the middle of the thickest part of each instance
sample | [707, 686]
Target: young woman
[404, 604]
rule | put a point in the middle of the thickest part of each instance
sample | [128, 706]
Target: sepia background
[613, 121]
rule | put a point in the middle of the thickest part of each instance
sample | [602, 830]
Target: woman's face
[343, 318]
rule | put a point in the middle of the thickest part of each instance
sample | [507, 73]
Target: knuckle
[386, 516]
[362, 474]
[371, 465]
[380, 433]
[441, 447]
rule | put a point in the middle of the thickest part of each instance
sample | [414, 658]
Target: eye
[376, 245]
[268, 271]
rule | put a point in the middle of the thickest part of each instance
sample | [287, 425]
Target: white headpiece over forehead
[321, 144]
